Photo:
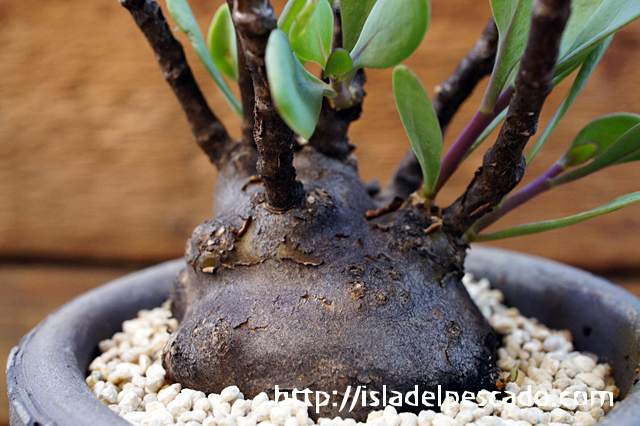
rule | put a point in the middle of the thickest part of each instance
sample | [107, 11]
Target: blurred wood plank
[631, 284]
[97, 163]
[30, 293]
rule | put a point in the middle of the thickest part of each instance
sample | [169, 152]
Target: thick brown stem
[254, 20]
[504, 165]
[448, 96]
[330, 136]
[208, 131]
[247, 96]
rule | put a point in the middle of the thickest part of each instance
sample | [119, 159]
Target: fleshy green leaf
[604, 131]
[581, 11]
[513, 376]
[421, 124]
[623, 149]
[353, 14]
[634, 156]
[338, 65]
[392, 32]
[291, 11]
[547, 225]
[579, 154]
[311, 32]
[513, 19]
[581, 79]
[222, 42]
[296, 93]
[181, 13]
[593, 26]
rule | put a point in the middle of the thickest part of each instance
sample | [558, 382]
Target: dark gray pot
[45, 374]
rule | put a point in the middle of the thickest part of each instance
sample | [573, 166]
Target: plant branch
[477, 64]
[330, 136]
[448, 96]
[536, 187]
[504, 165]
[254, 20]
[207, 130]
[459, 149]
[337, 25]
[247, 96]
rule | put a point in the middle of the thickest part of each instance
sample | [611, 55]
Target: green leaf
[581, 11]
[513, 19]
[623, 149]
[421, 124]
[605, 130]
[513, 376]
[181, 13]
[392, 32]
[353, 14]
[291, 11]
[634, 156]
[547, 225]
[579, 154]
[593, 26]
[311, 32]
[339, 65]
[581, 79]
[221, 40]
[296, 93]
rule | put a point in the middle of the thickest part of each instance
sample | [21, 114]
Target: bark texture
[254, 20]
[247, 97]
[503, 164]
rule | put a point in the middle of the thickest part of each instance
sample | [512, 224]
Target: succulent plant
[308, 278]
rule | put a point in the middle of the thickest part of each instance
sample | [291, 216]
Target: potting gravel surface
[128, 377]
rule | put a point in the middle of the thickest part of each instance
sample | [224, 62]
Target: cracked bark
[208, 131]
[503, 164]
[254, 20]
[448, 96]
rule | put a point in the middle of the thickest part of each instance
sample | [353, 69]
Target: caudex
[308, 278]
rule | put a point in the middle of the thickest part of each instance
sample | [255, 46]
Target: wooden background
[99, 175]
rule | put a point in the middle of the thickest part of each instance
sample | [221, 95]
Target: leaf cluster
[383, 33]
[375, 34]
[604, 142]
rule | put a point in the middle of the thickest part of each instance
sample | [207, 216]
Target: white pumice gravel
[128, 377]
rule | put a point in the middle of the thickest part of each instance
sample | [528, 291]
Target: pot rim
[39, 369]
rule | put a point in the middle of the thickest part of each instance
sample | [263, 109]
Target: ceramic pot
[46, 372]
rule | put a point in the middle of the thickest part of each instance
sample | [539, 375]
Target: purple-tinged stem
[503, 165]
[467, 138]
[538, 186]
